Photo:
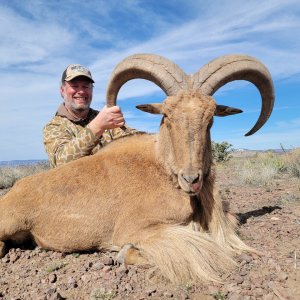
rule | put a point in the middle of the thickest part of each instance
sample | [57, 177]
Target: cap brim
[69, 78]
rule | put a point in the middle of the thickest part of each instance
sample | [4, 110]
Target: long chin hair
[80, 109]
[74, 107]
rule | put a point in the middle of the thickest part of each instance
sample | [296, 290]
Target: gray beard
[80, 109]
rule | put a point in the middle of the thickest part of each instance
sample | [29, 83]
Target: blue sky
[40, 38]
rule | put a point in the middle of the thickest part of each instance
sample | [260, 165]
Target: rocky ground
[270, 222]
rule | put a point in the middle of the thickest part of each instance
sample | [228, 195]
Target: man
[77, 130]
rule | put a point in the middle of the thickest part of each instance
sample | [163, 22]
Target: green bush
[222, 151]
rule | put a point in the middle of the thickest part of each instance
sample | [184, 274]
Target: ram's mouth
[190, 183]
[194, 189]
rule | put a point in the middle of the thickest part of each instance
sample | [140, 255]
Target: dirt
[270, 223]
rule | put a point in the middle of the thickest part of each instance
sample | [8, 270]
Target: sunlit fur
[129, 193]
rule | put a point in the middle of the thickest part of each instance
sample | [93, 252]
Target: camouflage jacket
[66, 139]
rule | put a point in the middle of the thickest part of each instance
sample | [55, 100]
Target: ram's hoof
[130, 255]
[121, 256]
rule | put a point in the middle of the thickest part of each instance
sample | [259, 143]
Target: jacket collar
[63, 112]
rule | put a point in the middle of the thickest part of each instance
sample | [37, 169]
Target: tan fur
[130, 192]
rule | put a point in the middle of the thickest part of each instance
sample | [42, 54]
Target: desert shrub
[221, 151]
[10, 174]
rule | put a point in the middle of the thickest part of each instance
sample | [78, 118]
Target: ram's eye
[166, 117]
[166, 121]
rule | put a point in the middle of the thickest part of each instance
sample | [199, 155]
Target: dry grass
[10, 174]
[262, 168]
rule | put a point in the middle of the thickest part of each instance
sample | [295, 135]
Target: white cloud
[295, 123]
[26, 41]
[289, 139]
[39, 39]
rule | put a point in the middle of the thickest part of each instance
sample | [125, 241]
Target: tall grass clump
[262, 168]
[10, 174]
[292, 163]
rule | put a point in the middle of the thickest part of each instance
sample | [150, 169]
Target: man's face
[77, 94]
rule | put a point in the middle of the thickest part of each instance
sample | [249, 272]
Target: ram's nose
[190, 182]
[190, 178]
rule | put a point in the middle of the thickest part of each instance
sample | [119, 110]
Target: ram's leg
[131, 255]
[13, 227]
[133, 235]
[13, 234]
[2, 249]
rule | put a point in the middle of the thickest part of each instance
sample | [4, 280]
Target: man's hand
[108, 118]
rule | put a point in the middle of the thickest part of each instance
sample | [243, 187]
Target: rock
[282, 276]
[97, 266]
[44, 254]
[150, 290]
[128, 287]
[122, 270]
[246, 258]
[168, 294]
[211, 289]
[183, 296]
[85, 278]
[72, 283]
[56, 296]
[278, 290]
[230, 287]
[238, 279]
[106, 269]
[257, 281]
[258, 292]
[50, 292]
[58, 255]
[5, 259]
[108, 261]
[52, 278]
[243, 273]
[13, 257]
[235, 296]
[268, 297]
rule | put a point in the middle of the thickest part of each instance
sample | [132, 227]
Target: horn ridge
[157, 69]
[229, 68]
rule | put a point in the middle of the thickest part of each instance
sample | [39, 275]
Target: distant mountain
[268, 150]
[246, 152]
[13, 163]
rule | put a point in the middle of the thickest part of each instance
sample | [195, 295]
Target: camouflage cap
[75, 70]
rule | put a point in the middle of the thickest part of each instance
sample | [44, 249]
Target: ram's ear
[154, 108]
[223, 111]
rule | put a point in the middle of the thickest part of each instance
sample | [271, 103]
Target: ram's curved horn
[228, 68]
[167, 75]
